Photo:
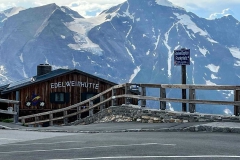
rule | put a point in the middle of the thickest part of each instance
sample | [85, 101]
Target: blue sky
[203, 8]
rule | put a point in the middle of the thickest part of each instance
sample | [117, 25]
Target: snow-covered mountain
[131, 42]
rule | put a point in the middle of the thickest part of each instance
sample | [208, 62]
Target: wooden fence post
[114, 99]
[192, 106]
[143, 93]
[90, 110]
[16, 108]
[50, 119]
[79, 115]
[127, 89]
[65, 119]
[23, 121]
[36, 119]
[162, 95]
[236, 98]
[102, 106]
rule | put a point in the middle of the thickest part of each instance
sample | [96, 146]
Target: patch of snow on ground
[41, 28]
[54, 67]
[214, 77]
[235, 52]
[211, 40]
[127, 13]
[208, 82]
[237, 64]
[228, 94]
[203, 51]
[189, 35]
[170, 53]
[186, 20]
[4, 78]
[134, 47]
[14, 11]
[166, 3]
[157, 42]
[81, 27]
[46, 60]
[227, 111]
[63, 9]
[193, 70]
[130, 54]
[213, 68]
[170, 106]
[148, 52]
[135, 72]
[75, 63]
[24, 73]
[154, 66]
[21, 57]
[129, 31]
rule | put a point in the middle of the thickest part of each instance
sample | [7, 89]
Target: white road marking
[67, 149]
[28, 144]
[144, 157]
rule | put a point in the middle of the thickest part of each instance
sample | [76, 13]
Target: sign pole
[184, 105]
[182, 57]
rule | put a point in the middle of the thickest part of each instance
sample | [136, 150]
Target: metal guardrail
[37, 118]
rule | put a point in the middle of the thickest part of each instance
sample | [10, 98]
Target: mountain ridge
[131, 42]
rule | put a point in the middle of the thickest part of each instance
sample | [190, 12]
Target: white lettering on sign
[74, 84]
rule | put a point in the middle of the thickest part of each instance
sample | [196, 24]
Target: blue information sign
[182, 57]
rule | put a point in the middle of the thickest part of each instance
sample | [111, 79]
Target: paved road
[31, 145]
[105, 127]
[231, 127]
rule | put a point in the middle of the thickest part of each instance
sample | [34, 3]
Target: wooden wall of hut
[75, 85]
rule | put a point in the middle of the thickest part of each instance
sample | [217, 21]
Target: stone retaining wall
[129, 113]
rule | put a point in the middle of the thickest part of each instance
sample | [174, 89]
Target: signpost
[182, 58]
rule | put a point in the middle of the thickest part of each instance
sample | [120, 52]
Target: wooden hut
[53, 89]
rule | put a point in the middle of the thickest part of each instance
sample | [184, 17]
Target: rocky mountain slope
[131, 42]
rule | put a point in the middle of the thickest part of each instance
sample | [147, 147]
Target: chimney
[43, 69]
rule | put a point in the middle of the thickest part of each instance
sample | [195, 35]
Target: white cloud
[202, 8]
[88, 8]
[84, 7]
[224, 12]
[203, 3]
[205, 8]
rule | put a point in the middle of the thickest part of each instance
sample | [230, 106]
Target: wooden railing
[88, 107]
[11, 110]
[110, 96]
